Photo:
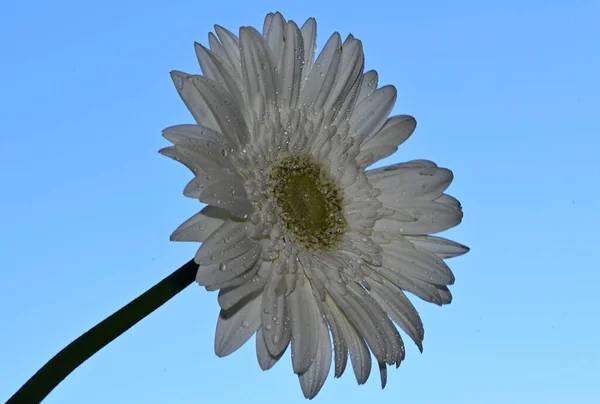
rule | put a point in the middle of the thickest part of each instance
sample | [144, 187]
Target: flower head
[303, 243]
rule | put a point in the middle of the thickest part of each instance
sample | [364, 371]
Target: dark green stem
[78, 351]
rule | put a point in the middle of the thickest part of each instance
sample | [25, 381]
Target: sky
[506, 94]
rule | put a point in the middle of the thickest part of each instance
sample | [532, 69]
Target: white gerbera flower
[302, 242]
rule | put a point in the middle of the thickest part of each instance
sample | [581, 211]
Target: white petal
[265, 360]
[177, 156]
[260, 78]
[231, 48]
[359, 353]
[217, 69]
[383, 373]
[237, 280]
[396, 130]
[444, 293]
[449, 201]
[361, 319]
[203, 147]
[223, 188]
[201, 225]
[372, 113]
[322, 77]
[429, 217]
[217, 48]
[290, 70]
[273, 31]
[189, 134]
[230, 296]
[275, 319]
[193, 100]
[234, 329]
[368, 86]
[305, 318]
[234, 246]
[417, 263]
[339, 341]
[400, 309]
[313, 379]
[350, 72]
[223, 108]
[424, 290]
[309, 34]
[219, 238]
[389, 338]
[405, 184]
[385, 142]
[220, 272]
[441, 247]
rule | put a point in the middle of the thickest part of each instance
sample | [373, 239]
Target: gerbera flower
[304, 244]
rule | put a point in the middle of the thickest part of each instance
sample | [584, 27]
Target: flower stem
[78, 351]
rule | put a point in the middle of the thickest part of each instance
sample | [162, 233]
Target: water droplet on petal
[245, 324]
[268, 327]
[222, 266]
[275, 339]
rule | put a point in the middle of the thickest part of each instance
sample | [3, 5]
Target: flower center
[309, 202]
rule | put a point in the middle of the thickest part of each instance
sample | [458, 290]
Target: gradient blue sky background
[506, 95]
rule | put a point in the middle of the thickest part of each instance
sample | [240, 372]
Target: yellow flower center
[309, 202]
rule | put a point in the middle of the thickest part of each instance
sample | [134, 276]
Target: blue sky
[506, 95]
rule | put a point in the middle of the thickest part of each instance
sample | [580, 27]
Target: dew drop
[223, 152]
[222, 266]
[275, 339]
[268, 327]
[245, 324]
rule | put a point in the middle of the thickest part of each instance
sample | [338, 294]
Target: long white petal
[234, 329]
[422, 289]
[359, 353]
[339, 340]
[215, 68]
[290, 71]
[201, 225]
[309, 35]
[275, 319]
[231, 48]
[400, 309]
[305, 317]
[220, 272]
[385, 142]
[441, 247]
[371, 114]
[313, 379]
[193, 100]
[223, 108]
[369, 85]
[273, 31]
[429, 217]
[412, 183]
[232, 295]
[417, 263]
[350, 71]
[258, 70]
[265, 360]
[322, 77]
